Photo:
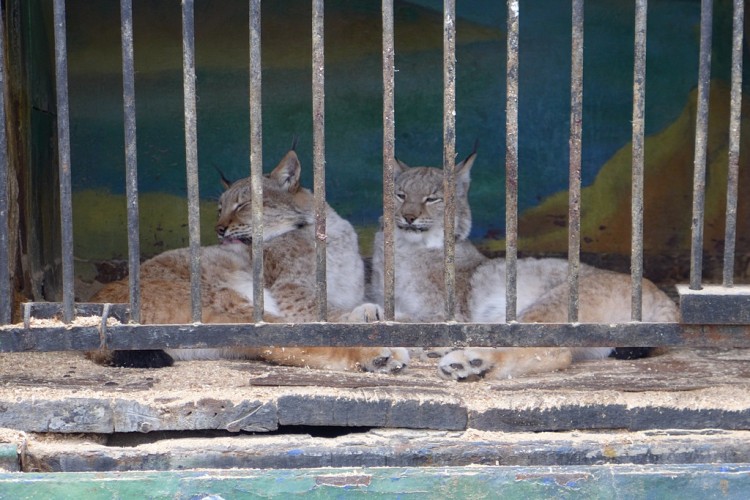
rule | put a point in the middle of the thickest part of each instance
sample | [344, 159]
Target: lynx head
[286, 205]
[420, 203]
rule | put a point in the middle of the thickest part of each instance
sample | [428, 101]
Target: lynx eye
[432, 199]
[401, 196]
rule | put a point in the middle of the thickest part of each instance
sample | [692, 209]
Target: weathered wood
[64, 393]
[715, 304]
[603, 481]
[403, 448]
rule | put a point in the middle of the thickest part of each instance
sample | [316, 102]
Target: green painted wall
[353, 106]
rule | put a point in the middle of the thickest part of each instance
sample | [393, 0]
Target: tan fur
[604, 296]
[289, 263]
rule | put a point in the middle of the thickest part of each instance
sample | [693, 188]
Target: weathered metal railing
[719, 329]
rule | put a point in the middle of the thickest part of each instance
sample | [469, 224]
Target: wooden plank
[379, 448]
[605, 481]
[62, 392]
[715, 305]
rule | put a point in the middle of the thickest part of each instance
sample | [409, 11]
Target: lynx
[480, 283]
[227, 283]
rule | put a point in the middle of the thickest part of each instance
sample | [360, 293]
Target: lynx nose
[221, 229]
[410, 218]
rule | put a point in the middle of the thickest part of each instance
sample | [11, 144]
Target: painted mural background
[354, 115]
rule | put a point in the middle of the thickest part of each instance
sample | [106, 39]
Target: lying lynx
[226, 280]
[480, 283]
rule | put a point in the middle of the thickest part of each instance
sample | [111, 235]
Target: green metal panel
[665, 482]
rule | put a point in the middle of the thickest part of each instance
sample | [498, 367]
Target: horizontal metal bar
[132, 336]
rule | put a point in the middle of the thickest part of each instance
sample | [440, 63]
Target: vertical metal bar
[449, 153]
[639, 106]
[389, 153]
[701, 133]
[63, 145]
[735, 119]
[5, 286]
[131, 162]
[574, 193]
[256, 159]
[511, 164]
[319, 181]
[191, 155]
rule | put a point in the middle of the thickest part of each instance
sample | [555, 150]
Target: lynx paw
[433, 353]
[388, 360]
[465, 365]
[366, 313]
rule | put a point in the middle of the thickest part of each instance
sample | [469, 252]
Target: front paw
[366, 313]
[386, 360]
[465, 365]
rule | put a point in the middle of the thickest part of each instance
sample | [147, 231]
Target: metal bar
[574, 193]
[639, 106]
[131, 161]
[511, 164]
[256, 159]
[63, 145]
[449, 154]
[701, 133]
[132, 336]
[319, 181]
[191, 155]
[389, 153]
[5, 286]
[735, 119]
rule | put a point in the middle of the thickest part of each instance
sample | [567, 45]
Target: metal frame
[730, 330]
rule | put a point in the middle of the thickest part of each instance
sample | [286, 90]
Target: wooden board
[606, 481]
[64, 393]
[376, 448]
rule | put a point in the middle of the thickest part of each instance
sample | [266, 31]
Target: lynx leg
[469, 365]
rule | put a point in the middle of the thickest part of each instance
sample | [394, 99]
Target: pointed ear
[463, 171]
[287, 172]
[225, 182]
[399, 167]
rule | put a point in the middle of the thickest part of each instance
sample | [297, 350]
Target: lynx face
[420, 204]
[286, 205]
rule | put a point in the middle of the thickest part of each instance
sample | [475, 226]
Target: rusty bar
[701, 133]
[256, 159]
[63, 145]
[639, 106]
[511, 164]
[449, 154]
[574, 193]
[735, 119]
[5, 286]
[389, 153]
[133, 336]
[319, 159]
[191, 155]
[131, 162]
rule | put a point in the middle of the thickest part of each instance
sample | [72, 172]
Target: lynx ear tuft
[225, 182]
[295, 138]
